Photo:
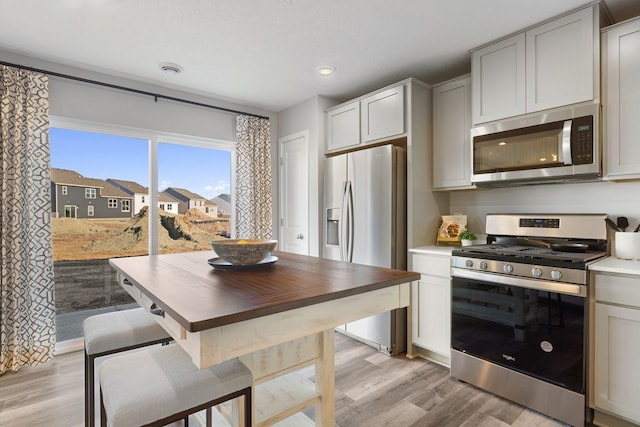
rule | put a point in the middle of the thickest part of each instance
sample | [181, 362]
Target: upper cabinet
[451, 134]
[621, 100]
[382, 114]
[498, 80]
[548, 66]
[343, 126]
[374, 117]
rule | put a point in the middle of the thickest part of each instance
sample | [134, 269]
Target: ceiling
[265, 53]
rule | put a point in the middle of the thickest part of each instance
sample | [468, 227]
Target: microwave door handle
[566, 143]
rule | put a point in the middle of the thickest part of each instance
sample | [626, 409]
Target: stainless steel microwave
[553, 146]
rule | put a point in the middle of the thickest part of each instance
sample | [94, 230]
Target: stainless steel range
[519, 310]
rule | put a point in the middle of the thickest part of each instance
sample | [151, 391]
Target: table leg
[325, 381]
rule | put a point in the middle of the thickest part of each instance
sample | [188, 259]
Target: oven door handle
[539, 285]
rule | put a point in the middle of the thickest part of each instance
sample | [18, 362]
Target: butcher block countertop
[199, 297]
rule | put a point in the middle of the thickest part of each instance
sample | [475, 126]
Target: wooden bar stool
[160, 385]
[111, 333]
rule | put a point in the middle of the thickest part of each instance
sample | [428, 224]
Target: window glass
[191, 229]
[86, 233]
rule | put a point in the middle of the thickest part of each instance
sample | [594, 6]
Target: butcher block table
[276, 320]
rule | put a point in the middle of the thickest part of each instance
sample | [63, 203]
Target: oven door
[537, 332]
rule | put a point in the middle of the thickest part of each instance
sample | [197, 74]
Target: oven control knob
[468, 263]
[556, 275]
[483, 265]
[536, 272]
[507, 268]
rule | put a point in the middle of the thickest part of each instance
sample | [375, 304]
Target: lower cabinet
[431, 307]
[616, 388]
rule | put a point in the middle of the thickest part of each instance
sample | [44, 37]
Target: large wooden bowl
[243, 251]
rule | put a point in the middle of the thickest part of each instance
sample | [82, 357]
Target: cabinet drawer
[618, 289]
[432, 265]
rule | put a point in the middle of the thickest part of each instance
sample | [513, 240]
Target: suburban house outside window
[126, 206]
[89, 193]
[113, 203]
[64, 190]
[90, 210]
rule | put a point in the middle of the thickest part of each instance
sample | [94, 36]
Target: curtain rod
[128, 89]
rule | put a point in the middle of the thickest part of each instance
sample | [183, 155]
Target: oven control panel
[521, 270]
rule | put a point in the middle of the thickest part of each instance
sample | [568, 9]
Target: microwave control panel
[582, 140]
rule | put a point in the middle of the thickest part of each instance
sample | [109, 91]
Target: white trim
[68, 346]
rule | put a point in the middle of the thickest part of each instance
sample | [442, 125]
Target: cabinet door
[451, 134]
[560, 61]
[617, 377]
[343, 127]
[622, 100]
[382, 114]
[432, 315]
[498, 80]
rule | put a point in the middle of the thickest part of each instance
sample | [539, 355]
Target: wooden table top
[199, 297]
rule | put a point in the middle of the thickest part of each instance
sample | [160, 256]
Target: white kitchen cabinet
[382, 114]
[498, 80]
[561, 67]
[431, 306]
[621, 69]
[547, 66]
[343, 126]
[616, 345]
[451, 134]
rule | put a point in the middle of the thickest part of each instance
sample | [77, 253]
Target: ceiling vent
[170, 69]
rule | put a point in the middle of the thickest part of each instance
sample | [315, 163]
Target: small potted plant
[467, 238]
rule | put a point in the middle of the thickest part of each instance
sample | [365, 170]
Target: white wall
[309, 115]
[612, 198]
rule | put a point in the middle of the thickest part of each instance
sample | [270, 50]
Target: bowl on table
[243, 251]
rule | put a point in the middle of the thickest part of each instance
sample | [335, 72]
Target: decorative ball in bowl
[243, 251]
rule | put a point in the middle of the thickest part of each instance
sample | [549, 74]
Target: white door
[294, 193]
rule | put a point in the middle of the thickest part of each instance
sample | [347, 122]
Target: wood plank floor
[371, 390]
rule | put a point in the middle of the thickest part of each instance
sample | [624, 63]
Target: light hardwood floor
[371, 390]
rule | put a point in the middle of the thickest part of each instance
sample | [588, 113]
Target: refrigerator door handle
[344, 215]
[350, 223]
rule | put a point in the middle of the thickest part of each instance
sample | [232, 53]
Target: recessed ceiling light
[170, 69]
[326, 70]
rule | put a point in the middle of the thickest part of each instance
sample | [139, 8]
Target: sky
[93, 155]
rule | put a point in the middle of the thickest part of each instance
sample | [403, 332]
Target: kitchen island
[276, 320]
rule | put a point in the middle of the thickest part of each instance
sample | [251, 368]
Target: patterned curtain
[253, 178]
[27, 307]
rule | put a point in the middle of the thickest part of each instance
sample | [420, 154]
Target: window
[64, 190]
[90, 210]
[70, 211]
[98, 155]
[89, 193]
[142, 199]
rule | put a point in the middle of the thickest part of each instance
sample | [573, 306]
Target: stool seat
[117, 330]
[114, 332]
[157, 383]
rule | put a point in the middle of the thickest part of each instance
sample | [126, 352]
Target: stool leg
[247, 408]
[103, 412]
[89, 391]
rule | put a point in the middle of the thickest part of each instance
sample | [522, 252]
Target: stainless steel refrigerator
[365, 223]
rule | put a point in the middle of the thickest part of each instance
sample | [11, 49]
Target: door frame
[281, 142]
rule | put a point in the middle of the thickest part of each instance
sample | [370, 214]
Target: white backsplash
[612, 198]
